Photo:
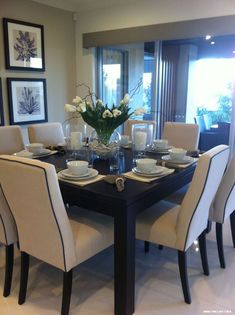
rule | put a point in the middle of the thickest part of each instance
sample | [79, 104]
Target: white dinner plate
[154, 171]
[158, 172]
[68, 174]
[185, 160]
[159, 150]
[93, 173]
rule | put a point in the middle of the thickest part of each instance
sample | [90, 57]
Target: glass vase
[103, 145]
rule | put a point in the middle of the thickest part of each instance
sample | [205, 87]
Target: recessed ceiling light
[212, 43]
[233, 51]
[208, 37]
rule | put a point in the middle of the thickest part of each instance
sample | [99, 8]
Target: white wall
[59, 41]
[142, 12]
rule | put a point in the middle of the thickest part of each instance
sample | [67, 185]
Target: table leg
[124, 263]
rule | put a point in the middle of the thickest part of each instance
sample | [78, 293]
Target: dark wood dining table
[123, 207]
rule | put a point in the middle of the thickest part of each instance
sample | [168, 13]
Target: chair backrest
[11, 139]
[129, 123]
[199, 120]
[181, 135]
[48, 134]
[8, 231]
[207, 121]
[194, 210]
[224, 202]
[36, 203]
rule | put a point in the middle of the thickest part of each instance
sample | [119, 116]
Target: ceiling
[84, 5]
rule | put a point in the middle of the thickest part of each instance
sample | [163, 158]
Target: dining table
[124, 206]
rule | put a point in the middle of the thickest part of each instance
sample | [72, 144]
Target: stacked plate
[159, 150]
[66, 174]
[155, 172]
[43, 152]
[185, 160]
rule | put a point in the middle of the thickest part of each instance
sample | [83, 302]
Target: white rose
[77, 100]
[116, 113]
[107, 113]
[99, 102]
[69, 108]
[82, 107]
[126, 99]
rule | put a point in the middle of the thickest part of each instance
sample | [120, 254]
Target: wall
[59, 35]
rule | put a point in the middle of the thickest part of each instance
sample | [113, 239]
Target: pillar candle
[76, 140]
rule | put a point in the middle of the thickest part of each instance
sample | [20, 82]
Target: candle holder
[142, 135]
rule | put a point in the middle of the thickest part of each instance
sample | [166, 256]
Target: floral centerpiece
[103, 119]
[100, 116]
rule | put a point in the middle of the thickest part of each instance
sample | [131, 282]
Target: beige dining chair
[8, 237]
[181, 135]
[129, 123]
[223, 207]
[49, 134]
[177, 226]
[11, 139]
[44, 228]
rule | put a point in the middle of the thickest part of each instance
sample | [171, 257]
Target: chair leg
[67, 288]
[219, 238]
[160, 247]
[203, 253]
[232, 223]
[182, 261]
[146, 246]
[209, 225]
[23, 277]
[8, 269]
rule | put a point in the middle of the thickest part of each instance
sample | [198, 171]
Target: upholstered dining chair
[11, 139]
[49, 134]
[8, 237]
[177, 226]
[130, 122]
[181, 135]
[45, 231]
[223, 207]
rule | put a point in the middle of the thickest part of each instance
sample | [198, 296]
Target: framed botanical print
[27, 100]
[1, 106]
[24, 45]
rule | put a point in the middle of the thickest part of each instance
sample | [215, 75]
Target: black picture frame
[1, 106]
[17, 33]
[27, 100]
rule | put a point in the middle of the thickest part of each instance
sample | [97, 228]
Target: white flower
[139, 111]
[77, 100]
[81, 107]
[107, 113]
[116, 113]
[99, 102]
[69, 108]
[126, 99]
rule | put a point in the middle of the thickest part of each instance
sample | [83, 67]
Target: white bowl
[77, 167]
[34, 147]
[145, 165]
[177, 153]
[160, 143]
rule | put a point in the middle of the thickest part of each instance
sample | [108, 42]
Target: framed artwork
[27, 100]
[24, 45]
[1, 106]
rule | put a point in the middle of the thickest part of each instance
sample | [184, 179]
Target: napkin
[178, 165]
[82, 182]
[134, 176]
